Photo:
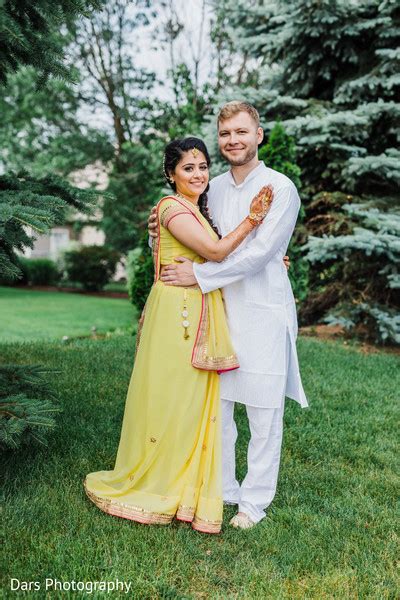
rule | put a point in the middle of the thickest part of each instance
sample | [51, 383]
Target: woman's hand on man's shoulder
[152, 222]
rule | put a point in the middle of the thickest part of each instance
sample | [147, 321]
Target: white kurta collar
[254, 173]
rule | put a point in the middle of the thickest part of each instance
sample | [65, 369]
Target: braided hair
[172, 156]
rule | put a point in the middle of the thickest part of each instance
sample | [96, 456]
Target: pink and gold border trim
[141, 515]
[200, 358]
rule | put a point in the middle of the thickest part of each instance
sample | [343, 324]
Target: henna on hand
[260, 205]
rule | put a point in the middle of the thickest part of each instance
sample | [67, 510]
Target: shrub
[8, 279]
[33, 271]
[280, 154]
[39, 271]
[140, 272]
[92, 266]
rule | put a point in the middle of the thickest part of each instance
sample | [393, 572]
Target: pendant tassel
[185, 314]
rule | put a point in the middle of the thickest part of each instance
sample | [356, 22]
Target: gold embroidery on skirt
[126, 511]
[185, 513]
[205, 525]
[136, 513]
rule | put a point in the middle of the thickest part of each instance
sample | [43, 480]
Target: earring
[171, 180]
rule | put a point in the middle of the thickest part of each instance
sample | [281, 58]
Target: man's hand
[181, 270]
[152, 223]
[180, 275]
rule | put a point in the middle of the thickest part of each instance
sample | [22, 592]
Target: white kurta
[258, 296]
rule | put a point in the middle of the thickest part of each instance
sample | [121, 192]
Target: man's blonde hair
[236, 106]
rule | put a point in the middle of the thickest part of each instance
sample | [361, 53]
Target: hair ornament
[164, 171]
[195, 152]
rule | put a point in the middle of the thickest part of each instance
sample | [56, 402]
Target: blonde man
[260, 307]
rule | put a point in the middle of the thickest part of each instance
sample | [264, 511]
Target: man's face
[238, 139]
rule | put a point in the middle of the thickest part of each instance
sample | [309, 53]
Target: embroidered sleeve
[170, 209]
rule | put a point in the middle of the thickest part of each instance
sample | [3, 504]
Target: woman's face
[191, 174]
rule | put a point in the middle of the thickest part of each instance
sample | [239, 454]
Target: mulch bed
[337, 332]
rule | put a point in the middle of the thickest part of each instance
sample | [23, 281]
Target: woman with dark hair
[169, 456]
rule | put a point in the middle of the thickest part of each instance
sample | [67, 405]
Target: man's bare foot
[241, 521]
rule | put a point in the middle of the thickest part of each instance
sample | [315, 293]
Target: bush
[7, 279]
[92, 266]
[280, 154]
[140, 272]
[39, 271]
[34, 271]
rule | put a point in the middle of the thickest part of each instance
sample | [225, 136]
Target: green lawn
[30, 315]
[330, 532]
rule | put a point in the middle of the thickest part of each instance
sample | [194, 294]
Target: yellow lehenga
[168, 462]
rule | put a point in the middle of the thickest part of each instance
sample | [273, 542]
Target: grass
[328, 534]
[30, 315]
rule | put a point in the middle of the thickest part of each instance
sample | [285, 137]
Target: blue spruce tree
[329, 70]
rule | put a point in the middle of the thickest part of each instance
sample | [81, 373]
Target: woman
[169, 457]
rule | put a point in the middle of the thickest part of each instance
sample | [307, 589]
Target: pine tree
[26, 31]
[26, 405]
[39, 203]
[26, 409]
[328, 69]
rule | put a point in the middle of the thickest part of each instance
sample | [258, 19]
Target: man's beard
[250, 154]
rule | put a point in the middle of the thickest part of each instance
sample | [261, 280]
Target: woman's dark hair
[173, 154]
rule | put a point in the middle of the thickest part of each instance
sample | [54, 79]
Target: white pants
[263, 457]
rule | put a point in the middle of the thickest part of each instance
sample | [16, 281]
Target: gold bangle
[253, 222]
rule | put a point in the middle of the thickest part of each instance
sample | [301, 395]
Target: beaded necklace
[178, 195]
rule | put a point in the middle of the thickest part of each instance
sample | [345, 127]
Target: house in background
[79, 229]
[60, 238]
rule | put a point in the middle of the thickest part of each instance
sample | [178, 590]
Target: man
[260, 308]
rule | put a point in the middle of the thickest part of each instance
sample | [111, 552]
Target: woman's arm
[191, 234]
[272, 236]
